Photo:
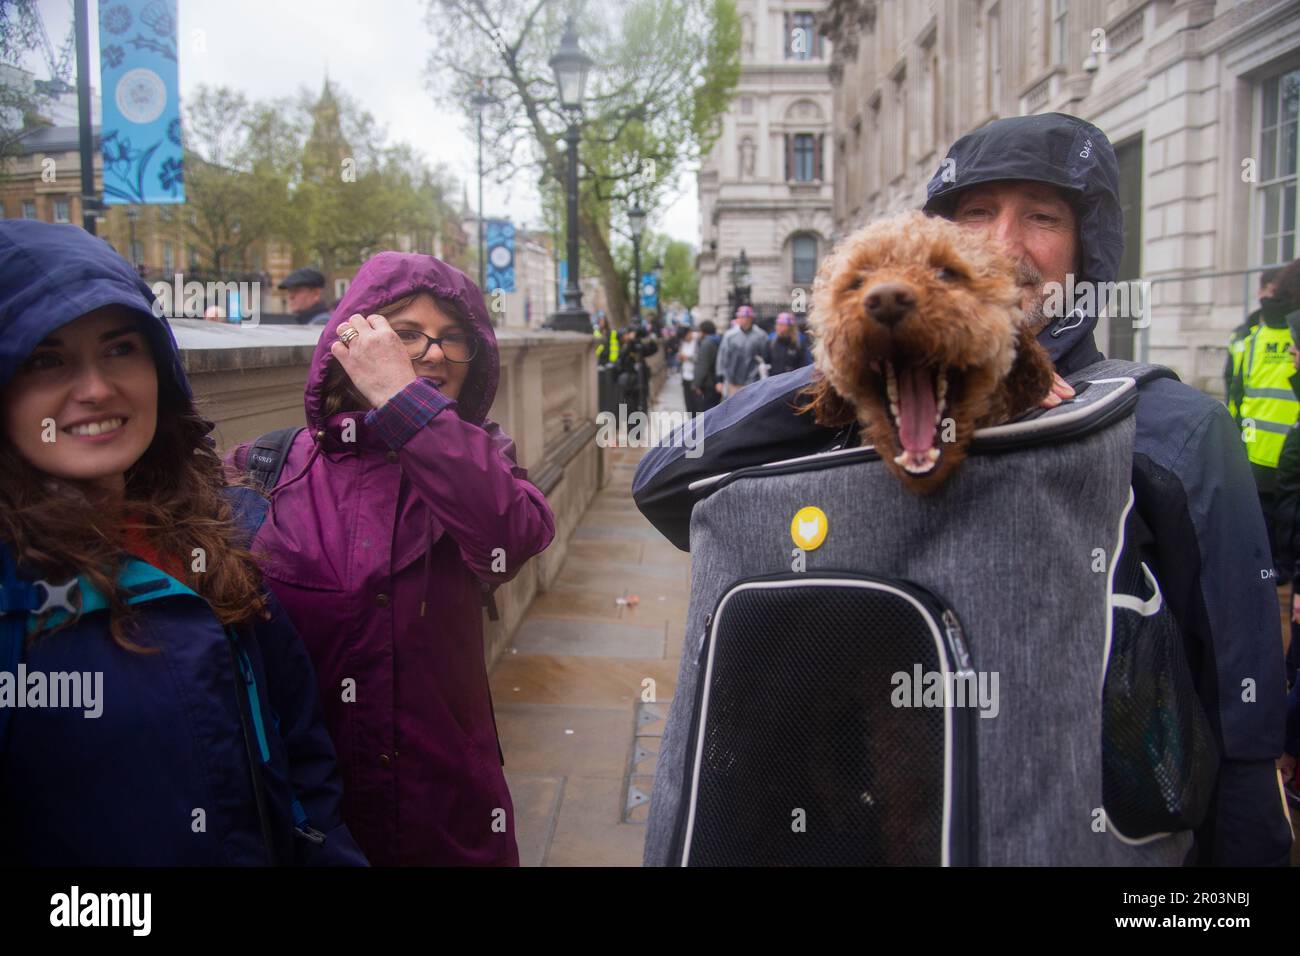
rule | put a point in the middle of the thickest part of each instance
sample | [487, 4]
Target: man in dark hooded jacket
[1047, 187]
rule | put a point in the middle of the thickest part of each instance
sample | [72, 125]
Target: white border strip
[1084, 410]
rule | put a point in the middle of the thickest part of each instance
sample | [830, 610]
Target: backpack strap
[259, 749]
[1140, 372]
[266, 457]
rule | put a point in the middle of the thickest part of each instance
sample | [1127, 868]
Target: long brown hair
[338, 394]
[173, 498]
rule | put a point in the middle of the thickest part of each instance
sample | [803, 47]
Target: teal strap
[254, 702]
[259, 728]
[140, 581]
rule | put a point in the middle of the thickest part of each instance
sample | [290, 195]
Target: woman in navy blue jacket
[156, 705]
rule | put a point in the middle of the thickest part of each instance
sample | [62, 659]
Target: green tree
[314, 171]
[665, 73]
[235, 196]
[355, 194]
[681, 281]
[21, 102]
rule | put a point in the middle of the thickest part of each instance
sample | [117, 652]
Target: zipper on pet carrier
[956, 640]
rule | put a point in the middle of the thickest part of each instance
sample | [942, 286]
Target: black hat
[303, 278]
[1052, 148]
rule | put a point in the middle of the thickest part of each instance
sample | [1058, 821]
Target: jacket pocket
[1159, 758]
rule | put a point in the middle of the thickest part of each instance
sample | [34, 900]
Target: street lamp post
[740, 281]
[85, 132]
[636, 219]
[571, 66]
[480, 100]
[659, 291]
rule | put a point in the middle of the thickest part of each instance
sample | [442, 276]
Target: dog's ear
[1031, 374]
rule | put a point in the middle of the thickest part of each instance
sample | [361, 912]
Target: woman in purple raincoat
[395, 506]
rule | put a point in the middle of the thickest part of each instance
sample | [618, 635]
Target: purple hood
[389, 276]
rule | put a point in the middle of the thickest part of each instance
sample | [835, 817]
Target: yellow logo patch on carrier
[809, 528]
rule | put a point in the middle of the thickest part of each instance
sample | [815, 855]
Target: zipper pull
[245, 667]
[957, 640]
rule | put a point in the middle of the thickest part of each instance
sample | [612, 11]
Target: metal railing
[1246, 298]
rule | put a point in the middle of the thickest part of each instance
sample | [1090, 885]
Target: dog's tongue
[916, 409]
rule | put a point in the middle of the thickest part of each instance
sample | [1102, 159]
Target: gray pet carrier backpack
[895, 679]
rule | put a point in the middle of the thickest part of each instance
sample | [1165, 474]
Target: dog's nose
[889, 302]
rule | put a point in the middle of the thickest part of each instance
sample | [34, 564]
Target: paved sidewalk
[579, 740]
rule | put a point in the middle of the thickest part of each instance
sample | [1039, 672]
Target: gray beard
[1034, 316]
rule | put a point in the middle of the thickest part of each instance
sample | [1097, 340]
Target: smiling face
[1036, 228]
[424, 315]
[92, 386]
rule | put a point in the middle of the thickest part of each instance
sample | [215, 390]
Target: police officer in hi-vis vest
[1268, 406]
[1232, 385]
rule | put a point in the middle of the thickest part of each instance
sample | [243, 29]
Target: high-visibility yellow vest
[1269, 407]
[612, 348]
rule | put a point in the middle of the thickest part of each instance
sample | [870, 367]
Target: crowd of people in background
[713, 365]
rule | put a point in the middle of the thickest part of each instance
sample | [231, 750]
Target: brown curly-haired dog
[920, 337]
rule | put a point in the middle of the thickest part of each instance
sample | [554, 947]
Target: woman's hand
[1295, 608]
[375, 359]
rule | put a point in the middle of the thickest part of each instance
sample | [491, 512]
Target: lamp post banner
[500, 255]
[649, 291]
[141, 130]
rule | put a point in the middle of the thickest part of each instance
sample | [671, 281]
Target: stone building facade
[1199, 98]
[765, 187]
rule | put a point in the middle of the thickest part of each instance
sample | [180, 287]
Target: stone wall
[250, 380]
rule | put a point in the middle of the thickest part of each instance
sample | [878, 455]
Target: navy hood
[50, 275]
[1059, 150]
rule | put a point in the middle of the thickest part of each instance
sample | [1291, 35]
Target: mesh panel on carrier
[804, 758]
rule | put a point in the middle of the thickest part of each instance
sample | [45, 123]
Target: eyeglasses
[459, 347]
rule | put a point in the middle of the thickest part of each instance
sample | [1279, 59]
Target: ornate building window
[803, 250]
[1279, 159]
[1060, 31]
[802, 41]
[803, 157]
[993, 60]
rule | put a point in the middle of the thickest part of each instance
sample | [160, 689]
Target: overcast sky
[376, 50]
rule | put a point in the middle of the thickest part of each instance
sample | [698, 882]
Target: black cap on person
[303, 278]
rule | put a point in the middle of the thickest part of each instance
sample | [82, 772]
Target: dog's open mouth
[917, 398]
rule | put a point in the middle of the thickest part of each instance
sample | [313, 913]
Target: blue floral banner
[500, 236]
[649, 290]
[140, 137]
